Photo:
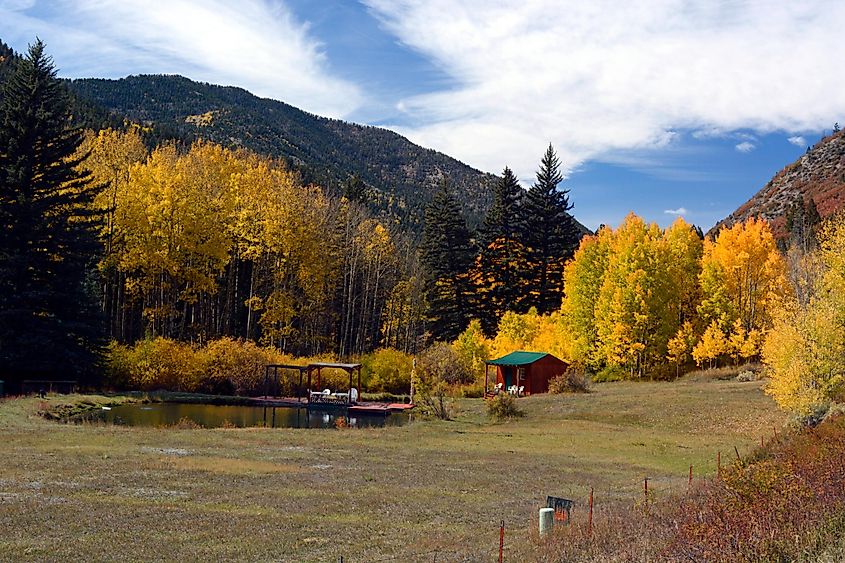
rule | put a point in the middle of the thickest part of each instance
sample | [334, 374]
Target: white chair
[520, 391]
[353, 395]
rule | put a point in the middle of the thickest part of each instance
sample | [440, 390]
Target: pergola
[319, 366]
[275, 379]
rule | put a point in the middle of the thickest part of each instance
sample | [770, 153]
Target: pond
[216, 416]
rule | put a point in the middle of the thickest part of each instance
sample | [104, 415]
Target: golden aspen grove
[204, 243]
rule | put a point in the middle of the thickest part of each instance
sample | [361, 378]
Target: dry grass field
[429, 490]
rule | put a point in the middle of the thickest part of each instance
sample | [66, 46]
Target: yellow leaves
[743, 276]
[805, 347]
[712, 345]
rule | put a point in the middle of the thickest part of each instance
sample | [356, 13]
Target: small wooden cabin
[531, 370]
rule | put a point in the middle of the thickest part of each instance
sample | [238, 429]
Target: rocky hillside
[818, 175]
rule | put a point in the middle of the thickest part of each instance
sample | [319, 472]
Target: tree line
[513, 263]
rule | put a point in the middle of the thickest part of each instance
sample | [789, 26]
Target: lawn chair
[520, 391]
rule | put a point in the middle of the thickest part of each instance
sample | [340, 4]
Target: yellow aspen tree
[711, 347]
[743, 277]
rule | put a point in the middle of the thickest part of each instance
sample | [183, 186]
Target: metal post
[689, 485]
[502, 542]
[590, 521]
[645, 492]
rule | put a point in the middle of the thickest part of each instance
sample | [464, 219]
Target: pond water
[215, 416]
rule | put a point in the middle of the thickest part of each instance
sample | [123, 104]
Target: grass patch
[431, 486]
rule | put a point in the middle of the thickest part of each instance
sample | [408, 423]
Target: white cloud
[798, 141]
[679, 211]
[254, 44]
[745, 146]
[599, 76]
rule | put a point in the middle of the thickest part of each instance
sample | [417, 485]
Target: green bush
[471, 391]
[573, 380]
[611, 373]
[441, 363]
[503, 406]
[387, 371]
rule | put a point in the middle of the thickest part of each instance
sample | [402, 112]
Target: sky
[662, 107]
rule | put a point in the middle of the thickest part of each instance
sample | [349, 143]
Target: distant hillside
[818, 175]
[401, 175]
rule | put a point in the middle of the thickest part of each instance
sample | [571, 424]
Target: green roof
[518, 358]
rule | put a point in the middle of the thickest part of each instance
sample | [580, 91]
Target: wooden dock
[360, 408]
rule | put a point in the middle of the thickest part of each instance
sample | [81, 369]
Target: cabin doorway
[508, 373]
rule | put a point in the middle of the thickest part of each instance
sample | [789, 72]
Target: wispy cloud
[679, 211]
[594, 77]
[255, 44]
[798, 141]
[745, 146]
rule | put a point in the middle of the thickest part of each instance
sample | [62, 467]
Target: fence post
[689, 485]
[590, 521]
[502, 542]
[645, 492]
[547, 520]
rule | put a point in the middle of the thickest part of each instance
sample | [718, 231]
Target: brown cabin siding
[537, 374]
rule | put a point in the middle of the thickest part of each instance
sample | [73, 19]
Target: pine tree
[355, 190]
[447, 256]
[49, 324]
[549, 233]
[497, 269]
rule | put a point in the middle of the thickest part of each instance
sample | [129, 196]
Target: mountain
[401, 175]
[818, 175]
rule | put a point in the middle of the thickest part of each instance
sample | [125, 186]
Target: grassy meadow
[413, 493]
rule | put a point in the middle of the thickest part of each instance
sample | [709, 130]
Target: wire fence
[589, 505]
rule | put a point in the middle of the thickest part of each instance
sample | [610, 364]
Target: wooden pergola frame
[348, 368]
[275, 368]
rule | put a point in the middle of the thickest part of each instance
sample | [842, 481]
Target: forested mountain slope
[401, 175]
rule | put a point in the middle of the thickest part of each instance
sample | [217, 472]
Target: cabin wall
[544, 370]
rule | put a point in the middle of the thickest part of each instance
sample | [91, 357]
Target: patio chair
[520, 391]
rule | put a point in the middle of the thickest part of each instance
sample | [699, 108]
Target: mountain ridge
[326, 151]
[819, 174]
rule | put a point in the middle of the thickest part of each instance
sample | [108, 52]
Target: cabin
[530, 371]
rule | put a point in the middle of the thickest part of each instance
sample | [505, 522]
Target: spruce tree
[497, 280]
[49, 321]
[446, 255]
[549, 234]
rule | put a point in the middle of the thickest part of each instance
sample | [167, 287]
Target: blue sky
[664, 107]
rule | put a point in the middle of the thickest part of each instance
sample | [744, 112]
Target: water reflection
[215, 416]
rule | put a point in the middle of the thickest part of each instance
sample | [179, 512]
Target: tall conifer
[497, 280]
[48, 244]
[549, 233]
[447, 256]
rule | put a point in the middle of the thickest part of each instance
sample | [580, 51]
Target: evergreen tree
[355, 190]
[49, 323]
[497, 278]
[802, 220]
[447, 256]
[549, 234]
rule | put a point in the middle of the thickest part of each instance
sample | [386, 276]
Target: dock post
[547, 520]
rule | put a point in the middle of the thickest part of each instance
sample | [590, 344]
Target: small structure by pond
[307, 391]
[524, 373]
